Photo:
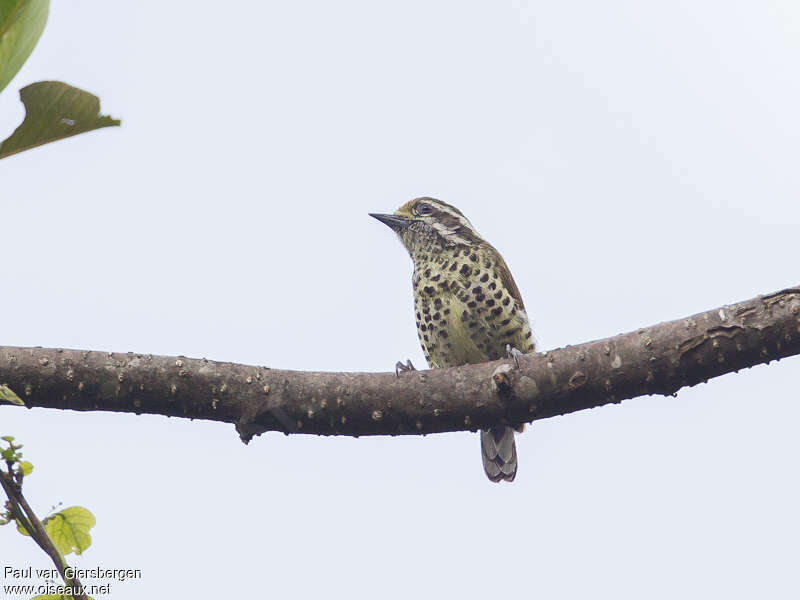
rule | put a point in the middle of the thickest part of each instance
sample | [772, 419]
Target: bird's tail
[499, 453]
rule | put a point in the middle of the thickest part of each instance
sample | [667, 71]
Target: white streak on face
[449, 232]
[463, 221]
[459, 240]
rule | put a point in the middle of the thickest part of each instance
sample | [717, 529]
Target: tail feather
[499, 453]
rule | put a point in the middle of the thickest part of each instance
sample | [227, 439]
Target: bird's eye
[423, 208]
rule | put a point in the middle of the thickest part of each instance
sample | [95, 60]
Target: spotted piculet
[467, 306]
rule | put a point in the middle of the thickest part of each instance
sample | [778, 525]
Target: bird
[467, 306]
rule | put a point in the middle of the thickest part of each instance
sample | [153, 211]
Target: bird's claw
[512, 352]
[403, 367]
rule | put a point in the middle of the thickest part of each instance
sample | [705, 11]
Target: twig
[23, 513]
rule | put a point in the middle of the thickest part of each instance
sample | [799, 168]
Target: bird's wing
[508, 281]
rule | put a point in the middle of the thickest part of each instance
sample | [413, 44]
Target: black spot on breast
[424, 327]
[454, 266]
[505, 322]
[512, 332]
[464, 316]
[437, 303]
[443, 333]
[444, 265]
[528, 335]
[419, 316]
[425, 337]
[480, 297]
[473, 325]
[466, 271]
[436, 316]
[485, 277]
[498, 295]
[477, 289]
[474, 258]
[506, 300]
[436, 277]
[449, 346]
[492, 285]
[447, 311]
[428, 290]
[490, 302]
[427, 318]
[453, 284]
[513, 311]
[497, 311]
[480, 345]
[466, 252]
[472, 304]
[426, 310]
[427, 273]
[444, 285]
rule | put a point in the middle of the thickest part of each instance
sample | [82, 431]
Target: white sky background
[634, 162]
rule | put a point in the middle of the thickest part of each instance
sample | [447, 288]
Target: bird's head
[427, 223]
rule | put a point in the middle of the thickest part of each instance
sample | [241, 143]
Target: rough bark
[653, 360]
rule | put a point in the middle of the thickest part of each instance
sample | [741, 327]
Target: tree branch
[654, 360]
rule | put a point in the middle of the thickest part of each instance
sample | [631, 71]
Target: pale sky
[633, 162]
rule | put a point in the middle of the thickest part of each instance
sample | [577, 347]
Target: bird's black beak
[396, 223]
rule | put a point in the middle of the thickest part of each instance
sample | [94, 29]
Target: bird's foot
[403, 367]
[512, 352]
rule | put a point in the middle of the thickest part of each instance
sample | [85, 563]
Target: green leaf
[54, 111]
[7, 438]
[21, 24]
[26, 467]
[69, 529]
[6, 395]
[20, 528]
